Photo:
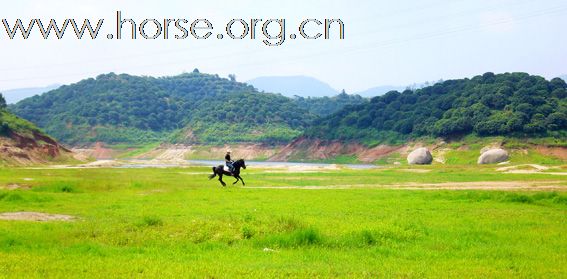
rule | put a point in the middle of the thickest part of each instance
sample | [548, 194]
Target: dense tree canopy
[202, 108]
[504, 104]
[123, 108]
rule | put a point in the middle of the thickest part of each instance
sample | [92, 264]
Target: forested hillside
[192, 107]
[323, 106]
[511, 104]
[203, 108]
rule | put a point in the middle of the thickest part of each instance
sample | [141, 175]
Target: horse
[236, 174]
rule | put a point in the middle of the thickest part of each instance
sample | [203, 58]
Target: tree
[2, 102]
[232, 77]
[558, 83]
[556, 121]
[536, 125]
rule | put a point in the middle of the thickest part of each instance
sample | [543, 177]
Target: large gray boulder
[420, 156]
[493, 156]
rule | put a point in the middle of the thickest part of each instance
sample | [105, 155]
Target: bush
[150, 221]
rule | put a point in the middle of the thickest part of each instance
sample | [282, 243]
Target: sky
[386, 42]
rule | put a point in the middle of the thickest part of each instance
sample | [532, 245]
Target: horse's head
[241, 163]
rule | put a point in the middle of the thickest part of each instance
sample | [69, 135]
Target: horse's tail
[213, 175]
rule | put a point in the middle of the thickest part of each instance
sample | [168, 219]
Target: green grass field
[176, 223]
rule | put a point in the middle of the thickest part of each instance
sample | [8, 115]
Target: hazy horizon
[386, 43]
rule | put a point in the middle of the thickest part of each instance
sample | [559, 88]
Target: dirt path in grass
[531, 169]
[485, 185]
[34, 216]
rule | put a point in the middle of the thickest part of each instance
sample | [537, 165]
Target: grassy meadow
[174, 222]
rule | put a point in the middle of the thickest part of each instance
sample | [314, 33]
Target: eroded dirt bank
[35, 148]
[310, 150]
[173, 153]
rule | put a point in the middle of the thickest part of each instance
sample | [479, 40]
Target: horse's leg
[220, 179]
[236, 179]
[242, 180]
[213, 175]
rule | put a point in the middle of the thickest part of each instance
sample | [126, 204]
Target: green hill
[203, 108]
[192, 107]
[9, 123]
[22, 143]
[511, 104]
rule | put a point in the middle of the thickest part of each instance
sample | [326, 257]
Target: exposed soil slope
[304, 149]
[31, 149]
[307, 149]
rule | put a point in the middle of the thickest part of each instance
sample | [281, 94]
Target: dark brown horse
[236, 174]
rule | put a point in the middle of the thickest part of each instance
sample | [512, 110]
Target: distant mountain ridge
[305, 86]
[379, 91]
[290, 86]
[13, 96]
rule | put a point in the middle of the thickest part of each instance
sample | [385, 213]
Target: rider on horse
[229, 162]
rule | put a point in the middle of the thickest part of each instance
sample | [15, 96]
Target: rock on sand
[420, 156]
[493, 156]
